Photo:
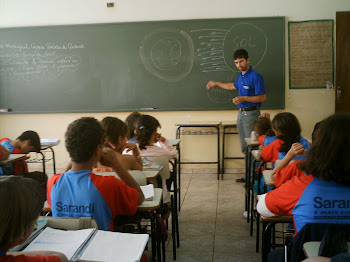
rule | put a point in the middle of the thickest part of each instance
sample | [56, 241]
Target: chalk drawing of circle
[167, 53]
[219, 95]
[245, 36]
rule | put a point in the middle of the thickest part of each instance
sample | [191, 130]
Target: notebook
[91, 244]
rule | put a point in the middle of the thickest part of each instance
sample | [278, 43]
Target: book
[150, 164]
[148, 191]
[91, 244]
[49, 142]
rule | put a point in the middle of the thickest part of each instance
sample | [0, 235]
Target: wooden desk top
[199, 123]
[250, 142]
[229, 123]
[138, 175]
[174, 142]
[255, 154]
[12, 158]
[149, 173]
[278, 219]
[267, 178]
[151, 205]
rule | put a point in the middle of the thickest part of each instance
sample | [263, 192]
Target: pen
[111, 145]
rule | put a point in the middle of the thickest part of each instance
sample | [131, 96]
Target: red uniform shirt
[288, 172]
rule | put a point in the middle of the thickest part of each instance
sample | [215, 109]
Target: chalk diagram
[167, 54]
[216, 53]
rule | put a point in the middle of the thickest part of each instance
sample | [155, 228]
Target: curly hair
[82, 138]
[145, 127]
[114, 128]
[21, 201]
[130, 122]
[33, 137]
[240, 53]
[328, 157]
[288, 126]
[262, 126]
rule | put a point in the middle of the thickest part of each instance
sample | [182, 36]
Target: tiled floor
[212, 227]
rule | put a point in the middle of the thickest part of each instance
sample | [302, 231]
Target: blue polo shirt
[249, 84]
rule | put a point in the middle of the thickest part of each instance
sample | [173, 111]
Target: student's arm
[110, 159]
[5, 153]
[136, 163]
[61, 256]
[227, 86]
[296, 149]
[168, 149]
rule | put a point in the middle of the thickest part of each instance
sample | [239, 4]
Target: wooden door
[342, 75]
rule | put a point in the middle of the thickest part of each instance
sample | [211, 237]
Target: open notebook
[91, 244]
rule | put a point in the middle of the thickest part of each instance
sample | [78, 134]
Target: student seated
[263, 131]
[116, 137]
[323, 195]
[28, 141]
[287, 129]
[130, 122]
[21, 201]
[151, 143]
[80, 193]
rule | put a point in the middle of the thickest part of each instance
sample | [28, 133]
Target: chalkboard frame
[227, 106]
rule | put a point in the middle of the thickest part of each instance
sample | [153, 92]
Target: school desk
[12, 158]
[43, 150]
[228, 128]
[181, 130]
[176, 171]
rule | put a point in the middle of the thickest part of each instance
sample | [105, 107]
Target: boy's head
[83, 137]
[30, 141]
[21, 201]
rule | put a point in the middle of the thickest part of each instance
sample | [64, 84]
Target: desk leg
[179, 167]
[43, 159]
[223, 153]
[218, 129]
[246, 179]
[53, 160]
[266, 240]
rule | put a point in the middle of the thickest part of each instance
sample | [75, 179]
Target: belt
[249, 108]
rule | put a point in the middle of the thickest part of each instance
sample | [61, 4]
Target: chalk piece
[4, 110]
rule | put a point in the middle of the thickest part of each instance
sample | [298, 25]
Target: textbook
[49, 142]
[91, 244]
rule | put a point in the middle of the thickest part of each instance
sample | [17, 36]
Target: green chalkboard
[163, 65]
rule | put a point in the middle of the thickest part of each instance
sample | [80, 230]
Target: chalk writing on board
[167, 54]
[29, 61]
[245, 36]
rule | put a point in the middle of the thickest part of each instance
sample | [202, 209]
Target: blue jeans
[245, 122]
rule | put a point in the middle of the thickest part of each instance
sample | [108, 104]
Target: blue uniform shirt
[249, 84]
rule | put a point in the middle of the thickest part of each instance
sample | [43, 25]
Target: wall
[309, 105]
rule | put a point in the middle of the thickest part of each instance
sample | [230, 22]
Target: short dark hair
[21, 201]
[328, 157]
[82, 138]
[114, 128]
[240, 53]
[33, 138]
[145, 127]
[130, 122]
[262, 126]
[288, 126]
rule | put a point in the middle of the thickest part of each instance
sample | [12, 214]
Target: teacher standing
[251, 92]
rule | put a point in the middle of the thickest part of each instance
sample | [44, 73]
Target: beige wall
[310, 106]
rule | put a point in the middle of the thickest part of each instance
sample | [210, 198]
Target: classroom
[309, 105]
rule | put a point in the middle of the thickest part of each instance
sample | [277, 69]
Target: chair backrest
[70, 223]
[164, 161]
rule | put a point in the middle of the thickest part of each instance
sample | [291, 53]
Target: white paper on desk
[66, 242]
[49, 141]
[114, 246]
[148, 191]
